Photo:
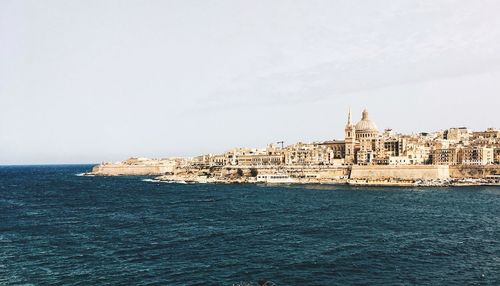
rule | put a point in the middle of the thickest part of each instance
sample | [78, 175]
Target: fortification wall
[334, 173]
[131, 170]
[381, 172]
[297, 171]
[322, 172]
[463, 171]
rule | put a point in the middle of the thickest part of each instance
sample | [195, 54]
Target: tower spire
[349, 118]
[350, 137]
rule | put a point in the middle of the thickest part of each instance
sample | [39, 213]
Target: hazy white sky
[91, 81]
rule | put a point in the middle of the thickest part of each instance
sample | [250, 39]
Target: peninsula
[455, 156]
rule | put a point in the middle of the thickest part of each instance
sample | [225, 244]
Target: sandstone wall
[334, 173]
[461, 171]
[322, 172]
[380, 172]
[131, 170]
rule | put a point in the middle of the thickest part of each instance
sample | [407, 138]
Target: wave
[165, 182]
[151, 180]
[84, 175]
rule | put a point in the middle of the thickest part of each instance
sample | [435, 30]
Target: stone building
[363, 143]
[490, 133]
[445, 156]
[460, 134]
[301, 154]
[336, 149]
[255, 157]
[476, 155]
[463, 155]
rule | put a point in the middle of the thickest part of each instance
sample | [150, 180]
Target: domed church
[362, 141]
[366, 128]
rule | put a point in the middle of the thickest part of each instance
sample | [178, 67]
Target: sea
[58, 227]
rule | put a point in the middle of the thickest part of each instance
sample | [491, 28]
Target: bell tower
[350, 137]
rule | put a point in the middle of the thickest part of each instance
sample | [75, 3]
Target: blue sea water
[57, 228]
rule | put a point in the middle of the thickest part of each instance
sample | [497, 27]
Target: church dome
[366, 125]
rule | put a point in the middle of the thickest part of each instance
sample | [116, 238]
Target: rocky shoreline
[368, 183]
[177, 171]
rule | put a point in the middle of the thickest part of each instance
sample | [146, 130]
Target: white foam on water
[84, 175]
[164, 182]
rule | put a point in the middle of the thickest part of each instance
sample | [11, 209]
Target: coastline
[178, 171]
[340, 182]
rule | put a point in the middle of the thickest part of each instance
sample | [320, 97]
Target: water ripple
[58, 228]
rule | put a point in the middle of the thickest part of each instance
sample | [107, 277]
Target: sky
[97, 80]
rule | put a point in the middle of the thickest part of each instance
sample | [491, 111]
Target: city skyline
[366, 155]
[365, 144]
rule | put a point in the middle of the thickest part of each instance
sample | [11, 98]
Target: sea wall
[132, 170]
[333, 173]
[320, 172]
[464, 171]
[382, 172]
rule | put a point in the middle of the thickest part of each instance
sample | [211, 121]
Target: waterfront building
[477, 155]
[336, 150]
[218, 160]
[368, 140]
[418, 154]
[300, 154]
[363, 144]
[394, 146]
[496, 155]
[445, 156]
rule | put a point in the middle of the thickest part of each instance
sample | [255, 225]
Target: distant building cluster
[363, 144]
